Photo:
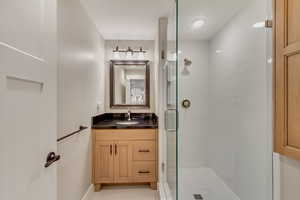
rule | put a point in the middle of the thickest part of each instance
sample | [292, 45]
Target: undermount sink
[127, 122]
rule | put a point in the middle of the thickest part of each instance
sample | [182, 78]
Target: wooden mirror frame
[112, 82]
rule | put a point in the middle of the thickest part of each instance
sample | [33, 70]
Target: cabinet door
[104, 162]
[123, 161]
[287, 78]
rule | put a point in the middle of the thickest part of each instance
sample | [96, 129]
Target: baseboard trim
[167, 192]
[163, 188]
[88, 194]
[162, 193]
[276, 176]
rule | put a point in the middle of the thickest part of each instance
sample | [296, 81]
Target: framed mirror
[129, 83]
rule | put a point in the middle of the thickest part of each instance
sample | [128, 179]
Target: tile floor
[203, 181]
[126, 193]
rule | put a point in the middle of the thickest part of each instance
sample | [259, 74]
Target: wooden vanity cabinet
[104, 160]
[123, 162]
[124, 156]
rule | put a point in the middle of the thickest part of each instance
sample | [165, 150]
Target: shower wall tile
[240, 136]
[193, 85]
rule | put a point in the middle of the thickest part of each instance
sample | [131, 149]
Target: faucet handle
[129, 115]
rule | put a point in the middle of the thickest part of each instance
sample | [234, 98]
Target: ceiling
[128, 19]
[216, 13]
[138, 19]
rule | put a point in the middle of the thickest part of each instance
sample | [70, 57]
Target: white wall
[193, 121]
[81, 88]
[290, 178]
[240, 137]
[147, 45]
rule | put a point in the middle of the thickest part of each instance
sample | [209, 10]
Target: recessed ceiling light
[219, 51]
[198, 23]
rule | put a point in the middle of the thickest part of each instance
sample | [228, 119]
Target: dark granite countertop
[110, 120]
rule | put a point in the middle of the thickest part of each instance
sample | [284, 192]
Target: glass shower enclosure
[218, 116]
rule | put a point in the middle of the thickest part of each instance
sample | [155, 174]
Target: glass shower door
[170, 90]
[225, 136]
[170, 125]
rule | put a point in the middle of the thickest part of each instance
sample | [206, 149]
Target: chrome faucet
[129, 115]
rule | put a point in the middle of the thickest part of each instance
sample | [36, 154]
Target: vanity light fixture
[141, 54]
[129, 55]
[129, 52]
[116, 53]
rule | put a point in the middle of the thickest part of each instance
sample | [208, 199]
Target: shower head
[187, 62]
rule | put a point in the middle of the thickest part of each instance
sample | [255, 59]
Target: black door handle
[51, 158]
[144, 172]
[144, 151]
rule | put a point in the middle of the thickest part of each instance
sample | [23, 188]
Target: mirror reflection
[129, 83]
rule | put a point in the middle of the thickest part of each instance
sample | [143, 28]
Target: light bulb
[141, 55]
[117, 55]
[129, 55]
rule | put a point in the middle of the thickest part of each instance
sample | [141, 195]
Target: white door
[28, 95]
